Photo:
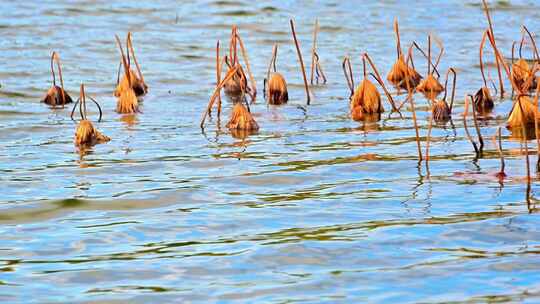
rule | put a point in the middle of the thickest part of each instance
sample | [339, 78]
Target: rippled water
[314, 208]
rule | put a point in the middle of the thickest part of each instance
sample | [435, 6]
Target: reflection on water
[314, 207]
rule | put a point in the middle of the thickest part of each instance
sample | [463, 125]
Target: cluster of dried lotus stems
[365, 99]
[236, 86]
[129, 90]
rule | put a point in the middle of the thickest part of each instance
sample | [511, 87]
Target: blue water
[314, 208]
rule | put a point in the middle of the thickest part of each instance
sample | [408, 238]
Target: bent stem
[482, 43]
[301, 61]
[347, 70]
[272, 62]
[498, 60]
[480, 138]
[465, 112]
[270, 65]
[244, 55]
[453, 87]
[56, 58]
[82, 105]
[532, 41]
[379, 80]
[217, 91]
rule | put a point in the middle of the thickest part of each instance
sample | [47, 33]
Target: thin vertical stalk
[301, 61]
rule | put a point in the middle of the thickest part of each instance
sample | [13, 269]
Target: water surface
[314, 208]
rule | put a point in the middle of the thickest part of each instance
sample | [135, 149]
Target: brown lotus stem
[410, 55]
[218, 77]
[429, 55]
[415, 122]
[78, 103]
[118, 73]
[536, 97]
[465, 112]
[380, 81]
[533, 42]
[129, 45]
[272, 62]
[434, 66]
[124, 61]
[244, 55]
[498, 60]
[429, 136]
[441, 52]
[524, 128]
[475, 120]
[220, 85]
[314, 49]
[482, 43]
[522, 42]
[411, 100]
[319, 70]
[450, 70]
[98, 106]
[364, 65]
[83, 103]
[501, 155]
[232, 46]
[55, 57]
[347, 70]
[398, 40]
[301, 61]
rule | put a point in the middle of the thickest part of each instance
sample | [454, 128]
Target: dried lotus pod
[402, 75]
[367, 98]
[441, 111]
[56, 95]
[522, 74]
[237, 86]
[523, 113]
[277, 89]
[127, 102]
[430, 87]
[483, 102]
[400, 70]
[277, 86]
[241, 119]
[86, 134]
